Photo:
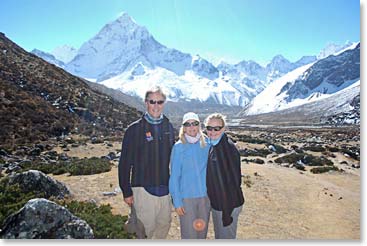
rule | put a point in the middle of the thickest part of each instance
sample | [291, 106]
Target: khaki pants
[134, 225]
[154, 212]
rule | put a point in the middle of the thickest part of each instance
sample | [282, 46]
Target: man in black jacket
[144, 166]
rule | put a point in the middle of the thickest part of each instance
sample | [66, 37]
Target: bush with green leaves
[314, 148]
[44, 167]
[255, 152]
[332, 149]
[279, 149]
[306, 159]
[324, 169]
[12, 198]
[105, 225]
[88, 166]
[76, 166]
[291, 158]
[353, 152]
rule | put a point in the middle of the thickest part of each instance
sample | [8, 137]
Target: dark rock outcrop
[43, 219]
[38, 182]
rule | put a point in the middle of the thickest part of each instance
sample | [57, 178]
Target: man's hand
[180, 211]
[129, 200]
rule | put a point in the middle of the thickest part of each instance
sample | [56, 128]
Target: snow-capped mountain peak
[64, 53]
[48, 57]
[332, 48]
[311, 82]
[125, 56]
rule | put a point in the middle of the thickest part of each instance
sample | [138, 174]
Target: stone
[43, 219]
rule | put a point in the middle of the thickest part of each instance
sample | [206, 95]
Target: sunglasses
[155, 102]
[215, 128]
[187, 124]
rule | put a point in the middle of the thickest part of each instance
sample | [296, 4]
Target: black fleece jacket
[223, 178]
[145, 155]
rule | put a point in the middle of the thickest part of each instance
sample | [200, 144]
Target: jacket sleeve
[175, 177]
[125, 163]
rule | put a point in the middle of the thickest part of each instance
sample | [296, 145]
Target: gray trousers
[194, 223]
[225, 232]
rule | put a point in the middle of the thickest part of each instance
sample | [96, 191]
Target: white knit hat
[190, 116]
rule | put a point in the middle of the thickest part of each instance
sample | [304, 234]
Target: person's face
[212, 126]
[191, 127]
[154, 104]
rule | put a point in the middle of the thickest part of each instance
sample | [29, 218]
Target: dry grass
[282, 203]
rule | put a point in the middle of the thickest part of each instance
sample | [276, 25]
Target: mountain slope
[342, 107]
[39, 100]
[309, 83]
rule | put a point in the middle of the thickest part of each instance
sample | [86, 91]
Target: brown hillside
[39, 100]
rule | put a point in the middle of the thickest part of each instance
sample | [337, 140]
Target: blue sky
[234, 30]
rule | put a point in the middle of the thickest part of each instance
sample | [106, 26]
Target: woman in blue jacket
[187, 183]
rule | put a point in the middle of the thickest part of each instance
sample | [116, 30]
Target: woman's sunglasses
[187, 124]
[215, 128]
[155, 102]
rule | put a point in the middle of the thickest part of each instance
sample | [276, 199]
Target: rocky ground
[281, 202]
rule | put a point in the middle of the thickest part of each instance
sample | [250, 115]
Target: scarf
[216, 141]
[153, 121]
[192, 140]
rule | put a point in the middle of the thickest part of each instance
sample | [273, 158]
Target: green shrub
[89, 166]
[352, 153]
[291, 158]
[279, 149]
[12, 198]
[333, 149]
[40, 166]
[324, 169]
[306, 159]
[314, 148]
[105, 225]
[256, 152]
[316, 161]
[86, 166]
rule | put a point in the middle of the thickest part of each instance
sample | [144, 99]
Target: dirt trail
[282, 203]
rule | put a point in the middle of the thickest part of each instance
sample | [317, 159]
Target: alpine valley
[63, 117]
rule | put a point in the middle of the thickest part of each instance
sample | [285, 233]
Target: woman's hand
[180, 211]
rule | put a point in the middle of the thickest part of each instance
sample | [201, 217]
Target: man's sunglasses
[187, 124]
[155, 102]
[215, 128]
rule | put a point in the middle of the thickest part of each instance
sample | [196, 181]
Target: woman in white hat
[187, 183]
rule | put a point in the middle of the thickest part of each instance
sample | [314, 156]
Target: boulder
[39, 182]
[43, 219]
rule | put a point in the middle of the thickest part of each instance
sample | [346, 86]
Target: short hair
[217, 116]
[155, 89]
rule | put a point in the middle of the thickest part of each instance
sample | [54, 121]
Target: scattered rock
[109, 193]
